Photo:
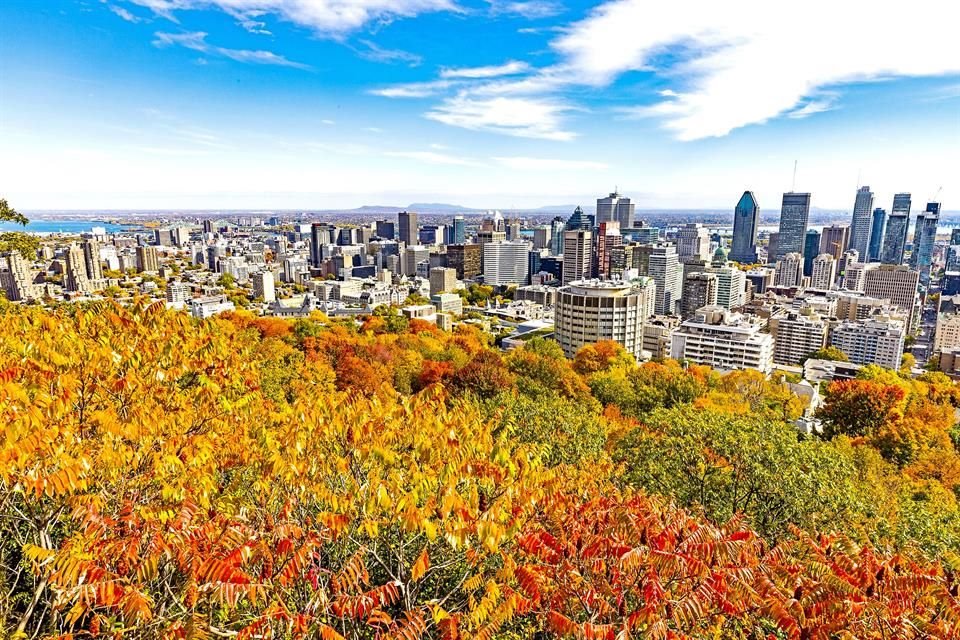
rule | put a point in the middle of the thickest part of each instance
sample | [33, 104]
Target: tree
[860, 407]
[601, 356]
[24, 243]
[829, 353]
[9, 214]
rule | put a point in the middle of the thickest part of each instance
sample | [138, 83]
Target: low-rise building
[722, 339]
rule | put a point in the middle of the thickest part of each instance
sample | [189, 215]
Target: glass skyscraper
[923, 238]
[862, 222]
[745, 216]
[794, 214]
[876, 233]
[895, 238]
[811, 249]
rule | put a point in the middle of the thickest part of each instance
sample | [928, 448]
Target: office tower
[76, 271]
[699, 290]
[407, 227]
[895, 238]
[163, 237]
[811, 249]
[663, 265]
[91, 259]
[580, 221]
[577, 247]
[459, 230]
[642, 233]
[147, 259]
[208, 226]
[615, 208]
[834, 240]
[896, 283]
[506, 263]
[608, 236]
[442, 280]
[413, 256]
[955, 236]
[17, 280]
[794, 214]
[773, 239]
[875, 340]
[588, 311]
[512, 229]
[924, 236]
[657, 333]
[824, 271]
[797, 335]
[790, 270]
[181, 235]
[877, 231]
[263, 286]
[178, 293]
[491, 235]
[542, 237]
[850, 257]
[761, 278]
[386, 229]
[731, 286]
[466, 259]
[431, 234]
[862, 221]
[693, 242]
[293, 268]
[745, 218]
[319, 236]
[557, 227]
[721, 339]
[213, 258]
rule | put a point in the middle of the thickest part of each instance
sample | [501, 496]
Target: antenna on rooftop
[793, 185]
[859, 171]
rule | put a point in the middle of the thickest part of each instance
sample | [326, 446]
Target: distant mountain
[437, 206]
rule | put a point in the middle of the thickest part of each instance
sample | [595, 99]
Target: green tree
[829, 353]
[25, 243]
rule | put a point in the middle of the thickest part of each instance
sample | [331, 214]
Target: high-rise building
[895, 238]
[505, 263]
[407, 227]
[773, 240]
[466, 259]
[17, 280]
[721, 339]
[542, 237]
[413, 256]
[386, 229]
[91, 259]
[862, 222]
[731, 286]
[699, 290]
[896, 283]
[693, 242]
[459, 234]
[577, 246]
[875, 340]
[557, 227]
[178, 294]
[796, 335]
[824, 271]
[834, 240]
[76, 271]
[615, 208]
[877, 231]
[745, 218]
[263, 286]
[588, 311]
[147, 259]
[790, 270]
[794, 214]
[811, 249]
[663, 265]
[924, 235]
[442, 280]
[580, 221]
[608, 237]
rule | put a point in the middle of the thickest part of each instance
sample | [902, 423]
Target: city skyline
[286, 104]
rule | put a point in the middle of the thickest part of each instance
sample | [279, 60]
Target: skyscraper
[833, 240]
[557, 227]
[862, 221]
[895, 238]
[608, 236]
[824, 271]
[693, 242]
[615, 208]
[580, 220]
[923, 237]
[91, 258]
[663, 266]
[407, 223]
[577, 246]
[790, 270]
[876, 233]
[811, 249]
[794, 214]
[745, 216]
[459, 233]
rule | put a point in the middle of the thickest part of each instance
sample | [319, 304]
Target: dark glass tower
[745, 216]
[876, 233]
[811, 249]
[794, 214]
[895, 238]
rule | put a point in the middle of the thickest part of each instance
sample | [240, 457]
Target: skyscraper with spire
[616, 208]
[794, 215]
[862, 223]
[745, 217]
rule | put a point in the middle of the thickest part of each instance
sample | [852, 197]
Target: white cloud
[521, 117]
[813, 107]
[197, 41]
[548, 164]
[741, 63]
[412, 90]
[432, 157]
[510, 68]
[531, 9]
[376, 53]
[124, 13]
[327, 122]
[333, 18]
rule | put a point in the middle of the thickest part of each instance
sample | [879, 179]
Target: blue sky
[488, 103]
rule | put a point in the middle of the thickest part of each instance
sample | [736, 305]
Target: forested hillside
[243, 477]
